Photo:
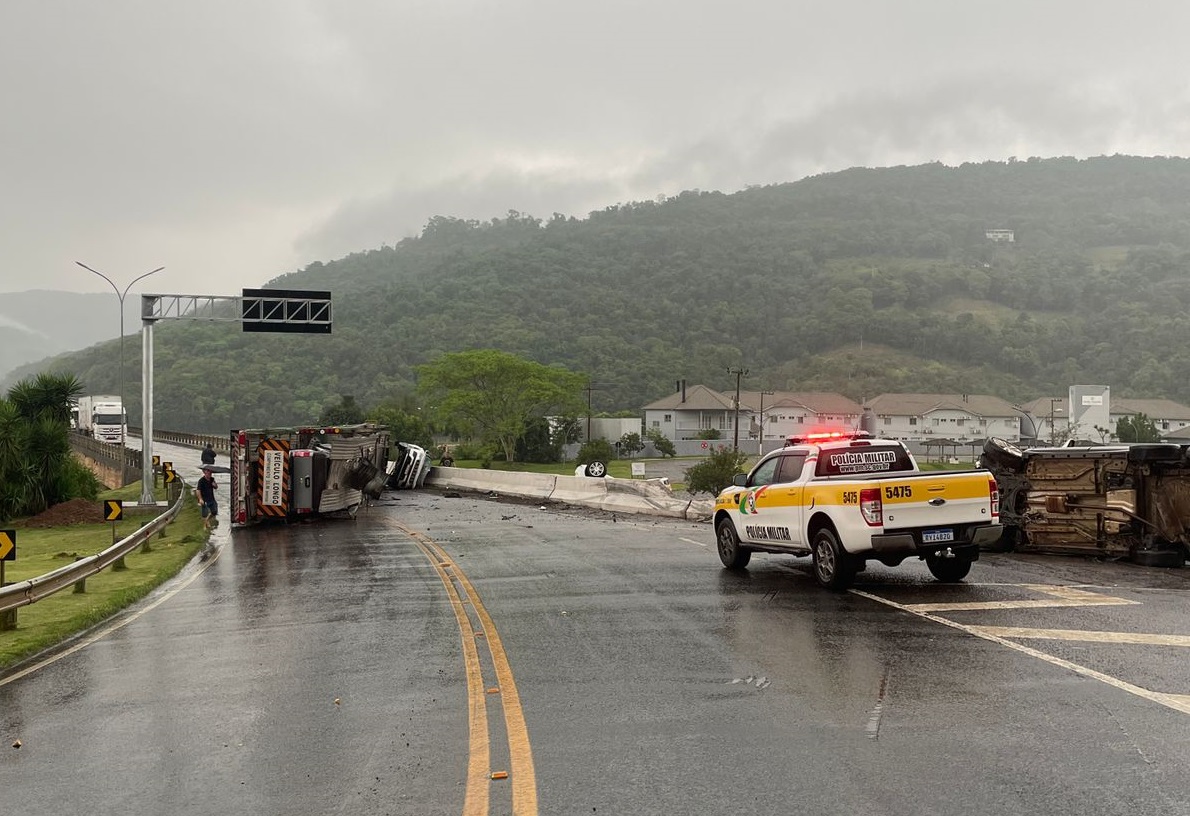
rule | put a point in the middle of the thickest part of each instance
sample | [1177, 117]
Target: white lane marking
[1178, 702]
[107, 630]
[691, 541]
[1140, 638]
[1064, 596]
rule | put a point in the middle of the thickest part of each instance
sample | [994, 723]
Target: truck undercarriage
[1117, 501]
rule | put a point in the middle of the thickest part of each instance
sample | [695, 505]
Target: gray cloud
[235, 141]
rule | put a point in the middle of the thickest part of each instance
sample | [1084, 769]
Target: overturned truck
[284, 474]
[1118, 501]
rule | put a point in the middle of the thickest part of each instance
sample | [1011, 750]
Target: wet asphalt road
[340, 667]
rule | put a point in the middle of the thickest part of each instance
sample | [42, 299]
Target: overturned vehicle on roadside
[1126, 501]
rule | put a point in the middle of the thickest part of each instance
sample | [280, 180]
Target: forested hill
[863, 281]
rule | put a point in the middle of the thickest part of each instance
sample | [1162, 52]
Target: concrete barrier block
[585, 490]
[634, 496]
[523, 485]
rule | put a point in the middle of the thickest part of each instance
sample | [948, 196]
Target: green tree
[1137, 428]
[48, 396]
[491, 395]
[716, 471]
[343, 412]
[663, 444]
[403, 425]
[595, 450]
[37, 468]
[539, 443]
[631, 444]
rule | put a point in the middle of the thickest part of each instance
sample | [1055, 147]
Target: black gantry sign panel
[286, 310]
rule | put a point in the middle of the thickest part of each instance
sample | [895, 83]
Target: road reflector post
[8, 552]
[113, 511]
[80, 586]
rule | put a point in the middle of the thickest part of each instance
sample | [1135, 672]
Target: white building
[965, 418]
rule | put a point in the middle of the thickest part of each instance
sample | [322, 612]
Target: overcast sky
[232, 141]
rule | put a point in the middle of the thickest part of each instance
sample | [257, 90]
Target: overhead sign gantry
[257, 310]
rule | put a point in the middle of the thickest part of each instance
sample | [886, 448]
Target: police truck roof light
[826, 436]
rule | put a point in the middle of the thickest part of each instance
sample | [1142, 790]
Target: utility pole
[589, 388]
[739, 373]
[1053, 429]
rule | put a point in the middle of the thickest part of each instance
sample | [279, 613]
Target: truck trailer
[288, 474]
[102, 416]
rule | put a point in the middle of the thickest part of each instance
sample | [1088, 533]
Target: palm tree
[36, 465]
[47, 395]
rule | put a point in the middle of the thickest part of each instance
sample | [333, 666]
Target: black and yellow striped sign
[8, 545]
[170, 475]
[272, 484]
[113, 509]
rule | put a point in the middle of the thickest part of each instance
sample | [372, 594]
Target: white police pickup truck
[845, 499]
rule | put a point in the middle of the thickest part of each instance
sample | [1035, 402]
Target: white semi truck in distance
[102, 417]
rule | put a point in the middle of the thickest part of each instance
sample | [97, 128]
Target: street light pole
[123, 408]
[739, 373]
[760, 443]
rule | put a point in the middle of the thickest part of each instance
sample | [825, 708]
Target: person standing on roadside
[205, 493]
[208, 455]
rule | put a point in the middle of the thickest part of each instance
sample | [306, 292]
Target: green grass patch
[50, 621]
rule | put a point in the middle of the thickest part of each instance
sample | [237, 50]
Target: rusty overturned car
[1125, 501]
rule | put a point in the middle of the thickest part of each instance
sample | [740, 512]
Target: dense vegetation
[37, 468]
[862, 282]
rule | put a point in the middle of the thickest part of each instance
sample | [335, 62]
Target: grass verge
[49, 622]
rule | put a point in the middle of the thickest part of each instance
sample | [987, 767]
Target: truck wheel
[948, 570]
[731, 552]
[1002, 453]
[833, 567]
[596, 469]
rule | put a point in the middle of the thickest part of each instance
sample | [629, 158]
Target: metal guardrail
[188, 440]
[23, 593]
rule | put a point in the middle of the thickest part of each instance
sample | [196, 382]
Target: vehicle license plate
[934, 536]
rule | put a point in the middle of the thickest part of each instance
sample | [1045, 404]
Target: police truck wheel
[833, 567]
[731, 553]
[948, 570]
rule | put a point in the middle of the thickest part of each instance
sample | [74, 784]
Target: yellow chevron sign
[113, 509]
[170, 475]
[8, 545]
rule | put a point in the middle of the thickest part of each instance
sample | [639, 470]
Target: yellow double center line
[480, 775]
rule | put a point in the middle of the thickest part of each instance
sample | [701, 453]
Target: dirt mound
[75, 511]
